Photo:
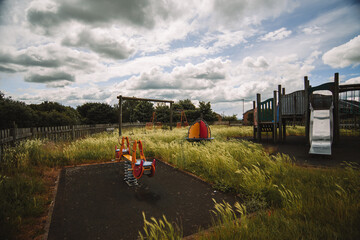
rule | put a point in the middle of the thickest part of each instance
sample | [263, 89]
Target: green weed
[160, 229]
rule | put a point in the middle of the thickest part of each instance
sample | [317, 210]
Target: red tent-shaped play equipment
[199, 131]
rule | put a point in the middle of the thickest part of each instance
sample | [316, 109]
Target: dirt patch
[94, 202]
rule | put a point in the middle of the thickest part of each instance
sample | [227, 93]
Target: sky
[222, 51]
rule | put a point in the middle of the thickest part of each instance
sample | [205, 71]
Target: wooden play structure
[134, 167]
[121, 98]
[199, 131]
[183, 120]
[320, 113]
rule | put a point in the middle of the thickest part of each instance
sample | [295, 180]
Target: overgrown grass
[160, 229]
[304, 202]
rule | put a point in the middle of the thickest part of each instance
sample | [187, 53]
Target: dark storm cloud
[135, 12]
[103, 45]
[7, 70]
[49, 78]
[28, 60]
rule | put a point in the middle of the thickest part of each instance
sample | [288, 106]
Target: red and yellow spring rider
[134, 168]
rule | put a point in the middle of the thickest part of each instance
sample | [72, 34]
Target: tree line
[48, 114]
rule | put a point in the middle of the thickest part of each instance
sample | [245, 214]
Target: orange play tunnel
[199, 131]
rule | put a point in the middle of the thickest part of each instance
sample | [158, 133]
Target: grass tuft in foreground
[160, 229]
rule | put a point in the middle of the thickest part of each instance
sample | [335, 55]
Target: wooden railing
[58, 133]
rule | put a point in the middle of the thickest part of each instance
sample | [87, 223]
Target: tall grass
[160, 229]
[303, 202]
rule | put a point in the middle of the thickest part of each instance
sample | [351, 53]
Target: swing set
[134, 167]
[183, 120]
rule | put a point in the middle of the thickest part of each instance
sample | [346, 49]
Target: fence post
[72, 132]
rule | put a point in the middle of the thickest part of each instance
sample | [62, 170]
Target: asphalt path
[94, 202]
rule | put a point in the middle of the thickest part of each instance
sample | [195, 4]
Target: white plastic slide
[321, 131]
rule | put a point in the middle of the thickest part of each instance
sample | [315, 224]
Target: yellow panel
[127, 157]
[194, 131]
[209, 132]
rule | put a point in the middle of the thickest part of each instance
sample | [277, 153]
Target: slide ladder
[321, 131]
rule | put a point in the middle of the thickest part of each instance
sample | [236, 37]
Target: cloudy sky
[222, 51]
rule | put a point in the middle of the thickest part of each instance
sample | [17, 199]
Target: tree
[206, 112]
[17, 112]
[128, 113]
[55, 114]
[143, 111]
[93, 113]
[162, 113]
[232, 118]
[184, 105]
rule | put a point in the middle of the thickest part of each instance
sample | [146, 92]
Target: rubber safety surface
[94, 202]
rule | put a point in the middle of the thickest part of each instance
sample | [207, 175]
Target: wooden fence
[58, 133]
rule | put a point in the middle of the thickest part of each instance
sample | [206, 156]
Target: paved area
[348, 149]
[93, 202]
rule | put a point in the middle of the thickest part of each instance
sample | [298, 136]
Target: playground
[107, 200]
[93, 202]
[266, 172]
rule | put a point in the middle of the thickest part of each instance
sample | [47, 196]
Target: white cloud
[276, 35]
[101, 42]
[310, 30]
[355, 80]
[190, 77]
[259, 63]
[248, 12]
[344, 55]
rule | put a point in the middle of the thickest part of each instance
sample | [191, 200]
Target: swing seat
[125, 151]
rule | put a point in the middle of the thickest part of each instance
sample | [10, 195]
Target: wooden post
[307, 112]
[120, 115]
[254, 129]
[280, 113]
[284, 121]
[336, 120]
[72, 132]
[275, 118]
[171, 116]
[258, 101]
